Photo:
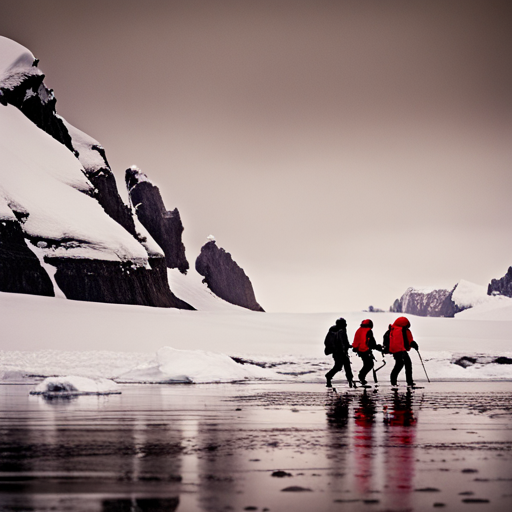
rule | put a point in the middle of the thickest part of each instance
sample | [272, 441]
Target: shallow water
[216, 447]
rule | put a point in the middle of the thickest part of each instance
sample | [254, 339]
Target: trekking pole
[421, 359]
[374, 371]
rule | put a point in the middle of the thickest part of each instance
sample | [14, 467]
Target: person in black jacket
[337, 344]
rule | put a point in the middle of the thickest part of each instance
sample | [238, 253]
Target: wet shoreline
[259, 446]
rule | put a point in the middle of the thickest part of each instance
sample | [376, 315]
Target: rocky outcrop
[225, 278]
[426, 303]
[501, 286]
[20, 270]
[164, 226]
[116, 282]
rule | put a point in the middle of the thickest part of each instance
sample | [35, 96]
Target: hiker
[398, 341]
[337, 344]
[363, 344]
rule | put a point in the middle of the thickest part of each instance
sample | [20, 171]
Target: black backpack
[385, 344]
[329, 343]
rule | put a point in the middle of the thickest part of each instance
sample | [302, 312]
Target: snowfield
[48, 337]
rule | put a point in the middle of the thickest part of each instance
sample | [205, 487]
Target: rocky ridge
[164, 226]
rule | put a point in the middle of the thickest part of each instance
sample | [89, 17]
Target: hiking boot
[411, 384]
[394, 384]
[328, 384]
[362, 381]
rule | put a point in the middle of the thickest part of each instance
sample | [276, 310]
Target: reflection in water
[140, 505]
[364, 449]
[338, 411]
[400, 457]
[338, 421]
[91, 446]
[371, 444]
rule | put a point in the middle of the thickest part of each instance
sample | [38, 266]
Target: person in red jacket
[398, 341]
[363, 344]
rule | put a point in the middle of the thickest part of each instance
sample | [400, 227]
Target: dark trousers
[402, 359]
[367, 358]
[340, 361]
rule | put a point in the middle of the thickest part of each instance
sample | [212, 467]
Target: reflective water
[218, 447]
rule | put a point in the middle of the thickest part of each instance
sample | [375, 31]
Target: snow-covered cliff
[64, 229]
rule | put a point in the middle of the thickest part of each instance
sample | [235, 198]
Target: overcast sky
[341, 151]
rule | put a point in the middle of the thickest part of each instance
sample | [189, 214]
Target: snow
[141, 344]
[197, 366]
[40, 176]
[89, 157]
[190, 288]
[76, 385]
[470, 295]
[15, 63]
[5, 212]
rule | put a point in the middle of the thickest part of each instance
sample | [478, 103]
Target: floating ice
[74, 385]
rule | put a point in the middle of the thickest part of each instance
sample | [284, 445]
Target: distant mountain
[447, 303]
[64, 229]
[424, 302]
[502, 286]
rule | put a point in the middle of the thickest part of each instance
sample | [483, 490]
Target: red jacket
[363, 337]
[400, 337]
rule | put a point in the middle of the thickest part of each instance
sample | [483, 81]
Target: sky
[341, 151]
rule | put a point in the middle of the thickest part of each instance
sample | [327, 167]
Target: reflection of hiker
[398, 341]
[401, 413]
[338, 414]
[364, 343]
[337, 344]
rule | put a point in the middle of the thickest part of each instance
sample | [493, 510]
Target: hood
[402, 322]
[367, 323]
[341, 323]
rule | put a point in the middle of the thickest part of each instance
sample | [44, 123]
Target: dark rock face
[114, 282]
[225, 278]
[20, 270]
[433, 303]
[164, 226]
[108, 196]
[501, 286]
